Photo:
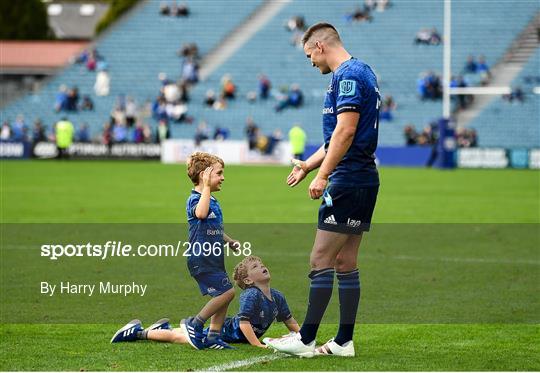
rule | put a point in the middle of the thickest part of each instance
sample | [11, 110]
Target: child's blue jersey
[354, 88]
[260, 311]
[205, 236]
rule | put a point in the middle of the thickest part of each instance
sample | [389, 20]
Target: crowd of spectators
[516, 95]
[67, 99]
[173, 9]
[477, 70]
[428, 36]
[465, 137]
[290, 97]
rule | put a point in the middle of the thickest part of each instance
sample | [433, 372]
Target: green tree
[24, 20]
[117, 8]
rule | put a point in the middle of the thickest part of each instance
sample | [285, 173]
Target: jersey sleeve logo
[347, 87]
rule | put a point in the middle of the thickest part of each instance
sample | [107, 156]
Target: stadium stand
[513, 124]
[144, 44]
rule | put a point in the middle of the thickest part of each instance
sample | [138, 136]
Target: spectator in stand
[19, 130]
[471, 67]
[183, 87]
[131, 112]
[103, 83]
[60, 103]
[118, 116]
[189, 50]
[429, 86]
[221, 133]
[120, 133]
[516, 95]
[273, 140]
[147, 134]
[163, 132]
[177, 111]
[83, 133]
[201, 133]
[164, 9]
[251, 133]
[182, 10]
[228, 89]
[294, 98]
[359, 15]
[38, 132]
[388, 107]
[296, 23]
[138, 133]
[171, 92]
[483, 70]
[463, 101]
[73, 99]
[106, 135]
[87, 103]
[5, 132]
[159, 108]
[190, 71]
[91, 61]
[428, 37]
[410, 135]
[210, 98]
[382, 5]
[264, 86]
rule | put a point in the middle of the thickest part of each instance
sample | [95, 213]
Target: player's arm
[203, 206]
[302, 168]
[247, 330]
[233, 244]
[340, 143]
[292, 325]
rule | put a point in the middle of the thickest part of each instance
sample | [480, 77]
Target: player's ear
[248, 282]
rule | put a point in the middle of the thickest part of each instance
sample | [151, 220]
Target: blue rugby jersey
[260, 311]
[354, 88]
[204, 234]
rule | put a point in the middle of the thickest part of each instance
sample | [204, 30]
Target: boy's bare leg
[216, 321]
[215, 304]
[171, 336]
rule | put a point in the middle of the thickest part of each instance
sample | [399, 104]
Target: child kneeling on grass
[260, 305]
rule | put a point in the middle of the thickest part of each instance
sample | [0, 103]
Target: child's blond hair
[241, 270]
[198, 162]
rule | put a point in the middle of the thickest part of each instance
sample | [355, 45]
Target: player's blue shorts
[347, 209]
[213, 283]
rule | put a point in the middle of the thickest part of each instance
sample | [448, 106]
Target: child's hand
[207, 176]
[262, 345]
[235, 245]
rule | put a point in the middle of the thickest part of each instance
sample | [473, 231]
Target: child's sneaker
[160, 324]
[128, 333]
[217, 344]
[193, 332]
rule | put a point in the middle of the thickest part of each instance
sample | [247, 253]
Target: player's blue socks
[198, 321]
[320, 292]
[349, 296]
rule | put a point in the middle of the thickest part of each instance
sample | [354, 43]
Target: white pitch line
[245, 362]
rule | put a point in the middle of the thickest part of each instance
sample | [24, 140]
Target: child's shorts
[213, 283]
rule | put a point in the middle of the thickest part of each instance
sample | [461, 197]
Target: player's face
[216, 177]
[315, 53]
[257, 272]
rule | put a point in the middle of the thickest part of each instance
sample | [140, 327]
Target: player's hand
[317, 187]
[298, 172]
[206, 177]
[235, 245]
[262, 345]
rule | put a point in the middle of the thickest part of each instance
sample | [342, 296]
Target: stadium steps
[526, 43]
[239, 36]
[514, 61]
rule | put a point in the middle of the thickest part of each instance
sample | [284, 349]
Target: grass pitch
[449, 271]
